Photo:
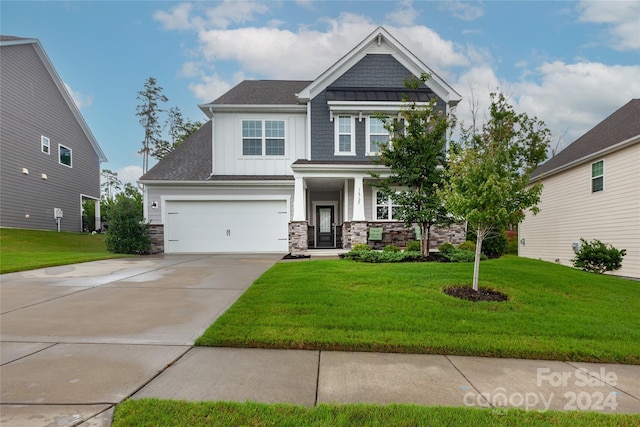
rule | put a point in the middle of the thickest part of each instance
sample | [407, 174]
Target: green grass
[153, 412]
[28, 249]
[553, 312]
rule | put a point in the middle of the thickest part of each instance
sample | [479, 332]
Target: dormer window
[345, 136]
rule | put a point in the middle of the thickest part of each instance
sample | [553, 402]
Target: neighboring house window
[377, 135]
[597, 176]
[64, 155]
[45, 144]
[385, 208]
[263, 137]
[345, 135]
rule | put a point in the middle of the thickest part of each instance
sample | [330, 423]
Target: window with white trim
[345, 135]
[377, 135]
[45, 144]
[64, 155]
[597, 176]
[385, 208]
[263, 138]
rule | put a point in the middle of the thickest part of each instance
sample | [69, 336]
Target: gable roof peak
[380, 41]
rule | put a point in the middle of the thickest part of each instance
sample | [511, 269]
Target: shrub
[391, 248]
[512, 247]
[413, 246]
[127, 233]
[378, 257]
[458, 255]
[467, 246]
[360, 247]
[445, 248]
[598, 257]
[493, 246]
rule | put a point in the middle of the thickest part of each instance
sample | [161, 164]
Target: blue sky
[570, 64]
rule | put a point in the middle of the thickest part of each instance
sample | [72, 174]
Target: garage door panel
[227, 226]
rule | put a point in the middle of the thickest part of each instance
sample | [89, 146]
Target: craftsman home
[49, 160]
[284, 166]
[591, 191]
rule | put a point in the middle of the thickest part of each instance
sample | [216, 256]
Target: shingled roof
[620, 126]
[190, 161]
[266, 92]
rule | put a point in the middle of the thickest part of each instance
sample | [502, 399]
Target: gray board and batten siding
[374, 71]
[31, 106]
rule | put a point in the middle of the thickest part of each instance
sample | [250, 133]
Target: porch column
[98, 220]
[299, 210]
[358, 200]
[345, 202]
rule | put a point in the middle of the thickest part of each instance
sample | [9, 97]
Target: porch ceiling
[324, 184]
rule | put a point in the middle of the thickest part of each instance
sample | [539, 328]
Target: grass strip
[166, 413]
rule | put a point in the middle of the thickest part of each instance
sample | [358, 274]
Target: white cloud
[210, 87]
[184, 17]
[405, 14]
[81, 100]
[467, 11]
[621, 17]
[129, 174]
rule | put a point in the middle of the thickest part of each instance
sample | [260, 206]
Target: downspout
[213, 132]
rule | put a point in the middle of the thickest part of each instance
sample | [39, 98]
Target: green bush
[445, 248]
[380, 257]
[598, 257]
[493, 246]
[458, 255]
[512, 247]
[360, 247]
[413, 246]
[391, 248]
[467, 246]
[127, 233]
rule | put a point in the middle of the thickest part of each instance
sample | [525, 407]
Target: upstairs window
[345, 136]
[64, 155]
[377, 135]
[45, 144]
[263, 137]
[597, 176]
[385, 208]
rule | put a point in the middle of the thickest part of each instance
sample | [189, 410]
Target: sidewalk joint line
[315, 403]
[468, 380]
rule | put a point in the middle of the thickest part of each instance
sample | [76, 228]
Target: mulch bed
[482, 294]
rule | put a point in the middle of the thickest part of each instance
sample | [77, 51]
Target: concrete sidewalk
[77, 340]
[312, 377]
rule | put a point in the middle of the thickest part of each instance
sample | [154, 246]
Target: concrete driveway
[78, 339]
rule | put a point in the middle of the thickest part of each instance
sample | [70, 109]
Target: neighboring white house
[284, 166]
[591, 191]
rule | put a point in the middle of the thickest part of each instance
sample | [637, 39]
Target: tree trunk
[424, 239]
[476, 263]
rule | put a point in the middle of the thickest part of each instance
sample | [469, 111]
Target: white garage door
[227, 226]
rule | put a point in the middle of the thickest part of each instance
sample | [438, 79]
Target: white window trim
[368, 136]
[595, 177]
[389, 204]
[264, 140]
[48, 144]
[60, 146]
[336, 122]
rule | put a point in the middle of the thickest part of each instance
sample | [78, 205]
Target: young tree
[489, 172]
[148, 111]
[416, 156]
[110, 183]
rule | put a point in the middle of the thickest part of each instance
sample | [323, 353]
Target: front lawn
[153, 412]
[28, 249]
[554, 312]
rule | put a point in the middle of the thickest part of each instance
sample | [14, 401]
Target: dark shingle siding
[623, 124]
[256, 92]
[191, 161]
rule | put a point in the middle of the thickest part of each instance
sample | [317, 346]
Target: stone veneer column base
[298, 242]
[156, 233]
[359, 233]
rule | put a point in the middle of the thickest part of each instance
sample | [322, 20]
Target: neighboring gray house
[284, 166]
[591, 191]
[49, 159]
